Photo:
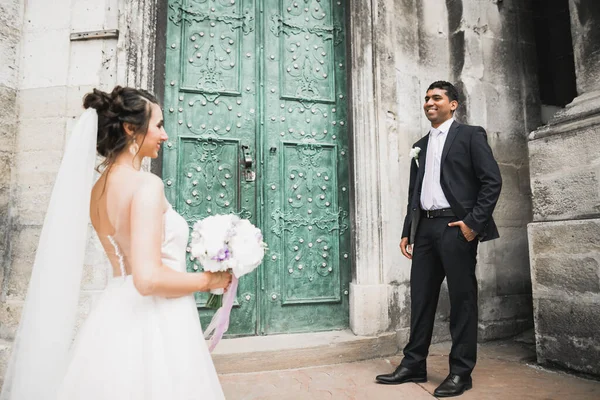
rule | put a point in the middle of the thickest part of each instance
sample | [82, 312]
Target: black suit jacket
[470, 179]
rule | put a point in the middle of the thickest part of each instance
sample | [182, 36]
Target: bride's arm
[150, 276]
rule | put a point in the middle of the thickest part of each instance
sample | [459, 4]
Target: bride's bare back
[127, 205]
[110, 211]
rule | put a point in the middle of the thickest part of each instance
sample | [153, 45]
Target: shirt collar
[443, 128]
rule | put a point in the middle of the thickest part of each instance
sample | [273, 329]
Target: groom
[454, 186]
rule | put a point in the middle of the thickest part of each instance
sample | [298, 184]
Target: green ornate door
[256, 109]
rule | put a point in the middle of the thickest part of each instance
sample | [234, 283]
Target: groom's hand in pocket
[467, 232]
[406, 248]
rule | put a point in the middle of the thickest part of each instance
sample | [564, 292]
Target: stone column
[136, 48]
[564, 239]
[586, 43]
[397, 95]
[137, 43]
[368, 293]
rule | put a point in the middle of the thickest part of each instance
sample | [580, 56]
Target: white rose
[414, 153]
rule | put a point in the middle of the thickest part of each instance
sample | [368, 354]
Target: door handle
[247, 162]
[246, 157]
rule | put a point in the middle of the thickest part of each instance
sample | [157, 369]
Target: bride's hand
[219, 280]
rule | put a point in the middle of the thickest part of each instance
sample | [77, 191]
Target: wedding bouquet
[226, 243]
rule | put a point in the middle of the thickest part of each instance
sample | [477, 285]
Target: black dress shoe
[402, 375]
[453, 385]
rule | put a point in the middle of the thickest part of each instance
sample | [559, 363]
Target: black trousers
[441, 251]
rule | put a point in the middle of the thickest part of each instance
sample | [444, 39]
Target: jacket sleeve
[487, 172]
[411, 187]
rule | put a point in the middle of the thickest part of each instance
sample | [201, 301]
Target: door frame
[368, 289]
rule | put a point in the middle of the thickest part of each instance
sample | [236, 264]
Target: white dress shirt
[432, 195]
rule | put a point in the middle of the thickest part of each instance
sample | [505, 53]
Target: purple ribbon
[220, 321]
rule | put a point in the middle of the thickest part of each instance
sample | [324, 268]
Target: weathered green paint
[265, 80]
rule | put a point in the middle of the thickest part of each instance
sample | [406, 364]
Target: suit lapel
[423, 157]
[452, 132]
[422, 160]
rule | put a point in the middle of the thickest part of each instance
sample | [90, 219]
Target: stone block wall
[11, 20]
[566, 273]
[42, 84]
[11, 16]
[49, 75]
[564, 238]
[487, 49]
[49, 102]
[566, 175]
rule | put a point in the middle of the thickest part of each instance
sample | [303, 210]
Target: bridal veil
[47, 327]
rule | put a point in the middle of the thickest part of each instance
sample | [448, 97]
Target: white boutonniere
[414, 153]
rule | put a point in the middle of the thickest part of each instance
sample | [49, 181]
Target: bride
[143, 339]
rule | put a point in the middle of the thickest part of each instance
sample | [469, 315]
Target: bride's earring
[134, 149]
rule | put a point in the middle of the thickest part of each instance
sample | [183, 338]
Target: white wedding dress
[130, 347]
[133, 347]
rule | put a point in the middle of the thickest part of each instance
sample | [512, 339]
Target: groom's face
[438, 107]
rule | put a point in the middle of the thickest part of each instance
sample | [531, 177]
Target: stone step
[277, 352]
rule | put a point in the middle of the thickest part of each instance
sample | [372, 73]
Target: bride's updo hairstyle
[124, 105]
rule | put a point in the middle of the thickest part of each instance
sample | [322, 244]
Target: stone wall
[49, 102]
[11, 20]
[54, 73]
[565, 260]
[564, 238]
[487, 49]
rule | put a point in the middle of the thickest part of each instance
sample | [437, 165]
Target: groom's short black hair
[451, 91]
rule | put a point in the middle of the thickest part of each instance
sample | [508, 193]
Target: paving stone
[505, 370]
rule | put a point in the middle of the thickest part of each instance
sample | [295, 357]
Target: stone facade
[564, 239]
[42, 84]
[398, 48]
